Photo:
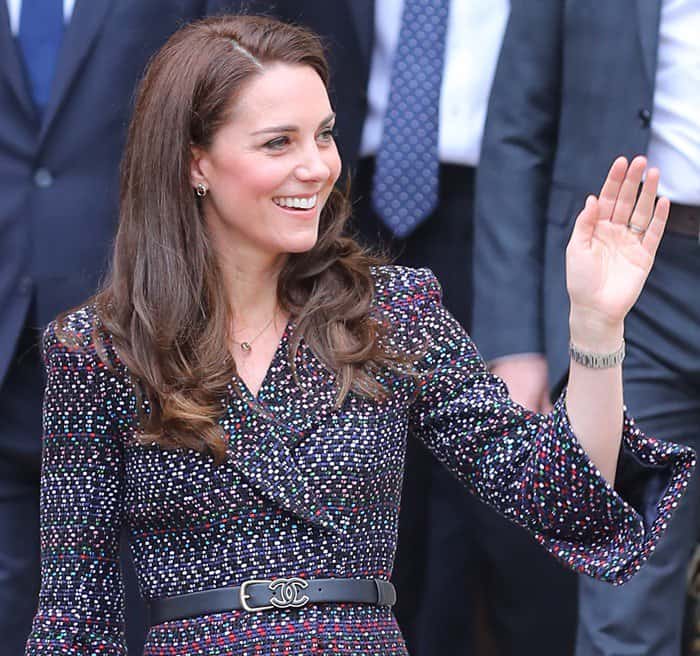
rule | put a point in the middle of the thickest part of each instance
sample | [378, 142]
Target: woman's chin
[301, 243]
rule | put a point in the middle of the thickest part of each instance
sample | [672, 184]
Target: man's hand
[526, 378]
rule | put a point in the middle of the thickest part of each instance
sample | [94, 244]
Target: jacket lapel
[362, 12]
[649, 17]
[260, 448]
[11, 62]
[85, 24]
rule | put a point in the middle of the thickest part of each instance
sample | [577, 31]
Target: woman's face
[270, 167]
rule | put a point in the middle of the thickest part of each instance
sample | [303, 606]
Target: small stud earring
[201, 190]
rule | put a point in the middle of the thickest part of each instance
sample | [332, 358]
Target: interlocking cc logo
[286, 593]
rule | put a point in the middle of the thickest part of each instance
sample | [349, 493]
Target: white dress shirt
[474, 33]
[14, 8]
[674, 145]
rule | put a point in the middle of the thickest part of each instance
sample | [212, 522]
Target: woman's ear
[197, 158]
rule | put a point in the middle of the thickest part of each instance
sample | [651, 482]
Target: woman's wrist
[593, 333]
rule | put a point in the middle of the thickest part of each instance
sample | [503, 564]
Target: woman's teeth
[296, 202]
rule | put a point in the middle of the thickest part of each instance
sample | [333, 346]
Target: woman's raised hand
[611, 252]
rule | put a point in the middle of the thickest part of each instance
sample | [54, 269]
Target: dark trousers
[454, 553]
[20, 464]
[662, 391]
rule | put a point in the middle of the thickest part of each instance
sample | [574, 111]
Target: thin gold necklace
[247, 345]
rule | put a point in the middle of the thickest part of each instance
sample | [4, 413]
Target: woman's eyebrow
[292, 128]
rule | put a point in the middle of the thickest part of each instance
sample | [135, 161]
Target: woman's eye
[328, 135]
[277, 143]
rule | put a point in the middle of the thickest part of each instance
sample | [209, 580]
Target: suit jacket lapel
[85, 24]
[11, 62]
[649, 17]
[362, 12]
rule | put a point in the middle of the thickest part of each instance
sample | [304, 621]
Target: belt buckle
[285, 593]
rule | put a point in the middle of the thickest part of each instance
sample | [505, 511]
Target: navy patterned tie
[40, 33]
[405, 185]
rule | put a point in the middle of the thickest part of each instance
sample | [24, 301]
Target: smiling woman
[240, 392]
[269, 177]
[268, 172]
[218, 203]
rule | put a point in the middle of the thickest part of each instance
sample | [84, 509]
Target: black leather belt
[684, 219]
[258, 595]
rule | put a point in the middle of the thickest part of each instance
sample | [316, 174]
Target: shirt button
[645, 117]
[43, 178]
[25, 285]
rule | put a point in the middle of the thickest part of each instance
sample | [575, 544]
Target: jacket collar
[362, 12]
[84, 27]
[649, 19]
[11, 62]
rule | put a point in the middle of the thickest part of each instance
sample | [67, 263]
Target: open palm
[614, 242]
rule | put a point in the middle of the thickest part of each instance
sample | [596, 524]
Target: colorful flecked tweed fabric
[308, 490]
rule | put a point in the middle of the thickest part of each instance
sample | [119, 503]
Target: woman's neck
[251, 289]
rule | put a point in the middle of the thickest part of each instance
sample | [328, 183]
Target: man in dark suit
[67, 75]
[577, 84]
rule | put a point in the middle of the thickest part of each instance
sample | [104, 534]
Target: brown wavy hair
[163, 303]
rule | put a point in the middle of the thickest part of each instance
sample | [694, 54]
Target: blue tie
[405, 185]
[40, 32]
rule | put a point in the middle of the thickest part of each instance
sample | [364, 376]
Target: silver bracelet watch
[597, 360]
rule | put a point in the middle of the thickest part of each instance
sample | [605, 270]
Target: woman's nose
[313, 166]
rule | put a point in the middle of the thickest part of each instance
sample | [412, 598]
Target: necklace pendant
[245, 346]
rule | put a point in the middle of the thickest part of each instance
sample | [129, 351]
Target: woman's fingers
[611, 188]
[643, 210]
[618, 202]
[628, 191]
[586, 221]
[652, 237]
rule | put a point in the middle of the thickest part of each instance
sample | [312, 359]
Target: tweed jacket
[309, 489]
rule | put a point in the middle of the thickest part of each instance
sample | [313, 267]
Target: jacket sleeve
[530, 467]
[82, 481]
[513, 182]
